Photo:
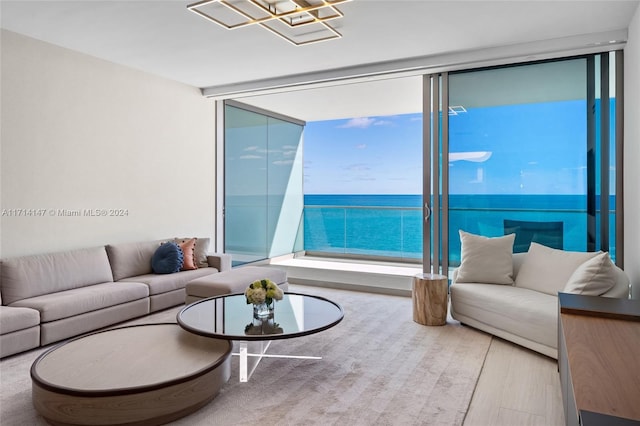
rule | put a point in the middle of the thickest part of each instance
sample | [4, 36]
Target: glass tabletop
[230, 317]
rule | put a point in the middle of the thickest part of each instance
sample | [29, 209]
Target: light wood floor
[516, 387]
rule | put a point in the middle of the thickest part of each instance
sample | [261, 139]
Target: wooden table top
[603, 356]
[127, 360]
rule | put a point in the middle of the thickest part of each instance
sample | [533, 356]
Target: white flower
[256, 295]
[263, 291]
[273, 291]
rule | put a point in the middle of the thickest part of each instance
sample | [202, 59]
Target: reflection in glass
[531, 122]
[231, 317]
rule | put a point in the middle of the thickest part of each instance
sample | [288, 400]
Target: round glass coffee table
[230, 317]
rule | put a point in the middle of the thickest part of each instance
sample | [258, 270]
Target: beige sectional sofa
[131, 262]
[19, 329]
[50, 297]
[514, 296]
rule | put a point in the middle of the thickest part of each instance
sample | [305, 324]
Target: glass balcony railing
[396, 232]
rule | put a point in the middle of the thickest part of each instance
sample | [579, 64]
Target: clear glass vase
[262, 310]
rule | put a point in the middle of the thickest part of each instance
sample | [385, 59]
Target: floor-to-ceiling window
[518, 153]
[263, 198]
[529, 149]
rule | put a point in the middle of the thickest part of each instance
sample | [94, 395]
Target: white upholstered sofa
[514, 296]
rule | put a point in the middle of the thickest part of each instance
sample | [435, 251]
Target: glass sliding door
[434, 182]
[245, 189]
[263, 198]
[527, 149]
[604, 141]
[518, 154]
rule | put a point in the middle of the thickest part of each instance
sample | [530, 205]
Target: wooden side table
[430, 296]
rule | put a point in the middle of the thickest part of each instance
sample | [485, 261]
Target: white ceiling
[164, 38]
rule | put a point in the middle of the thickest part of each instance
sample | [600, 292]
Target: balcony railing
[396, 232]
[393, 232]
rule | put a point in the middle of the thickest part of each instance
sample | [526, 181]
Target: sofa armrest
[220, 261]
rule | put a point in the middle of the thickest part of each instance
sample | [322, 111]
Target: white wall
[82, 133]
[632, 155]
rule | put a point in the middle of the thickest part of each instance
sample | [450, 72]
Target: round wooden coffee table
[144, 375]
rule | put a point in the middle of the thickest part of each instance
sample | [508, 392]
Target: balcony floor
[350, 274]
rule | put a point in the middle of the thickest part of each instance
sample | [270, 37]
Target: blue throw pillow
[167, 259]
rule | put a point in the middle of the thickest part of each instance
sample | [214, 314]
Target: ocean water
[391, 225]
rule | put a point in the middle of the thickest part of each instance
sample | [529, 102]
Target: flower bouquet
[262, 293]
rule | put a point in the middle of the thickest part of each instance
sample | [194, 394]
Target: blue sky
[537, 148]
[364, 155]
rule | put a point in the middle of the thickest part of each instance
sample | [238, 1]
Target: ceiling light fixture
[299, 22]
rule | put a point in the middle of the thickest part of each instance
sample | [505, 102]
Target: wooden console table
[598, 353]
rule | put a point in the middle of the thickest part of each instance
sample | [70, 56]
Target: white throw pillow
[594, 277]
[548, 270]
[486, 260]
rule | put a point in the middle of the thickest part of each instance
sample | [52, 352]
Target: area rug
[378, 367]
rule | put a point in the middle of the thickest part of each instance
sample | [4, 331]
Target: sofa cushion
[201, 251]
[15, 319]
[486, 260]
[548, 270]
[594, 277]
[188, 248]
[19, 341]
[526, 313]
[167, 258]
[35, 275]
[162, 283]
[131, 259]
[78, 301]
